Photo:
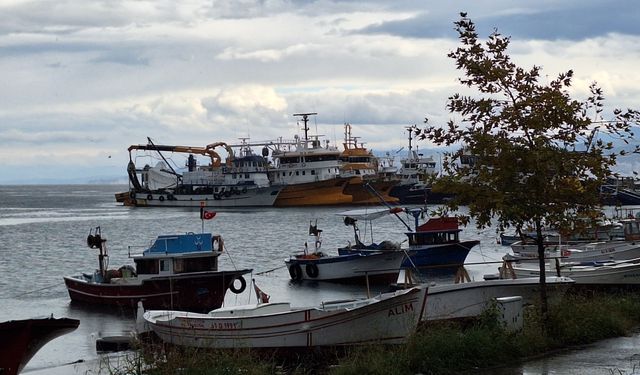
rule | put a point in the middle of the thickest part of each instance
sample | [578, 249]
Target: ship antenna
[305, 119]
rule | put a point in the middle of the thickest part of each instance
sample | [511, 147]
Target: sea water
[43, 232]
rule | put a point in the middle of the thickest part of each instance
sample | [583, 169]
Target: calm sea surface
[43, 232]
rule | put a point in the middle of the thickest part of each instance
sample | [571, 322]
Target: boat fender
[217, 243]
[132, 195]
[149, 197]
[295, 271]
[312, 270]
[244, 190]
[243, 285]
[161, 199]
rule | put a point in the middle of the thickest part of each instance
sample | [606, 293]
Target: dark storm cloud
[577, 21]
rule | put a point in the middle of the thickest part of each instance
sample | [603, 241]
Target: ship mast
[305, 118]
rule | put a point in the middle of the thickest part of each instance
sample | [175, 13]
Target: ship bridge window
[146, 267]
[195, 265]
[289, 160]
[164, 266]
[313, 158]
[313, 171]
[246, 175]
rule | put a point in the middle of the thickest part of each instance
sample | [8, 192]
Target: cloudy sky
[81, 80]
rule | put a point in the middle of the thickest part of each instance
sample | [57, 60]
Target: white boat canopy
[369, 213]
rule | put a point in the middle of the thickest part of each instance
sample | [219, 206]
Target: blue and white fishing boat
[370, 267]
[435, 244]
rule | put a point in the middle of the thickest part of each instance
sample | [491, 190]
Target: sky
[81, 80]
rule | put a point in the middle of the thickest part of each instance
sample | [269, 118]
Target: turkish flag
[206, 215]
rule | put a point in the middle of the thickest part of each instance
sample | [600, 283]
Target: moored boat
[388, 318]
[434, 245]
[361, 167]
[605, 274]
[470, 299]
[371, 267]
[20, 340]
[415, 175]
[176, 271]
[307, 173]
[238, 182]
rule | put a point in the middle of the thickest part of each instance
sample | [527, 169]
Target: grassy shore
[436, 348]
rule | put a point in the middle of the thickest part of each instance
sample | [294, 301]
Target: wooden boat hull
[254, 197]
[202, 291]
[465, 300]
[320, 193]
[439, 256]
[389, 318]
[586, 252]
[20, 340]
[381, 267]
[413, 194]
[360, 194]
[609, 274]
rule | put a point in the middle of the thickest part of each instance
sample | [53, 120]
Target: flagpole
[202, 215]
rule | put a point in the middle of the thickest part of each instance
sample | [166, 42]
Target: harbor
[34, 284]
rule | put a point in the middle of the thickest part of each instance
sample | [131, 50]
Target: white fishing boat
[470, 299]
[387, 318]
[609, 273]
[238, 182]
[367, 267]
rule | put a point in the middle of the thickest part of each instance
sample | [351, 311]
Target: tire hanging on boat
[243, 285]
[295, 271]
[161, 199]
[149, 197]
[312, 270]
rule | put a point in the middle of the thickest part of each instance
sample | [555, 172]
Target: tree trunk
[544, 308]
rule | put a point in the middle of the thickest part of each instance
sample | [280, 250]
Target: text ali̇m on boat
[176, 271]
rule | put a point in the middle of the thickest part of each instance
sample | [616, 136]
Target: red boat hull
[21, 339]
[198, 292]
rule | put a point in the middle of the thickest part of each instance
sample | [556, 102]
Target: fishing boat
[238, 182]
[470, 299]
[307, 172]
[388, 318]
[620, 243]
[20, 340]
[177, 271]
[434, 245]
[370, 267]
[361, 167]
[608, 273]
[415, 176]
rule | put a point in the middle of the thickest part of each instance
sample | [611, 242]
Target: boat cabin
[441, 230]
[183, 253]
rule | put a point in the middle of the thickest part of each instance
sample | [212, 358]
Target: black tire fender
[243, 285]
[295, 271]
[312, 270]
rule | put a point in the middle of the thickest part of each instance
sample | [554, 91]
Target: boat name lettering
[225, 325]
[399, 310]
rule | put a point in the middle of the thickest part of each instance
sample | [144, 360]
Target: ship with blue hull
[432, 246]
